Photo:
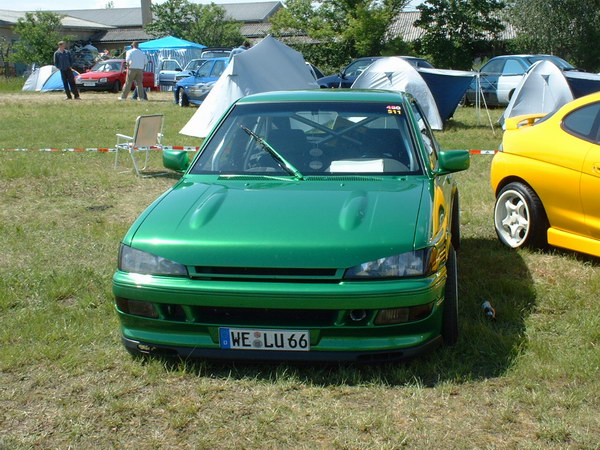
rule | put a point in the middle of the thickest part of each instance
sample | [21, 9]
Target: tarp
[398, 75]
[38, 77]
[54, 82]
[268, 66]
[583, 83]
[542, 90]
[169, 47]
[169, 42]
[447, 87]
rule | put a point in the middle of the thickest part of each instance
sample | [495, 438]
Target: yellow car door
[590, 190]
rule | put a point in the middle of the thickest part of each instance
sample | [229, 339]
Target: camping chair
[146, 135]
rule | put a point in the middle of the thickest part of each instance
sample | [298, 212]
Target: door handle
[596, 167]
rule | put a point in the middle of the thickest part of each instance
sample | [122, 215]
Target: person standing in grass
[135, 59]
[64, 62]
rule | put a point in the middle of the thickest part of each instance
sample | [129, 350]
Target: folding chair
[147, 135]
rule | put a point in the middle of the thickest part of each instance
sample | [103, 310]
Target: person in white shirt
[135, 59]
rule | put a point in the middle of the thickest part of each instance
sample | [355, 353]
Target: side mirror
[453, 161]
[177, 160]
[178, 69]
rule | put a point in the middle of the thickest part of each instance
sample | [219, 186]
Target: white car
[499, 77]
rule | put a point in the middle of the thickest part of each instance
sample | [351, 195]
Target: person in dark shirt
[64, 62]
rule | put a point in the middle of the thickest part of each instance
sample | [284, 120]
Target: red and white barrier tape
[164, 147]
[96, 149]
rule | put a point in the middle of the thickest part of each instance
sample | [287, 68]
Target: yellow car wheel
[519, 217]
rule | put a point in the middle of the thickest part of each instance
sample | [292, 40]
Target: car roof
[327, 95]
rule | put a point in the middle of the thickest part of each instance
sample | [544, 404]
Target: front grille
[249, 316]
[264, 272]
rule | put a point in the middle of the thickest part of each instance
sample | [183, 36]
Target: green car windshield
[316, 138]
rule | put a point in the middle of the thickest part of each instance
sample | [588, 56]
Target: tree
[38, 35]
[455, 29]
[566, 28]
[205, 24]
[354, 27]
[5, 51]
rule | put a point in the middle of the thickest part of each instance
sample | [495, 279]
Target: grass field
[527, 380]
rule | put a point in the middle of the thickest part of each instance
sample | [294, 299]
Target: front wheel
[183, 98]
[519, 217]
[450, 312]
[116, 86]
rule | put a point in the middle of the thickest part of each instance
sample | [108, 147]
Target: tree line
[332, 32]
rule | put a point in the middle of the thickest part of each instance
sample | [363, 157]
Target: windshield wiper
[284, 163]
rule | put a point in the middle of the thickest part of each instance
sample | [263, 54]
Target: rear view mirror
[453, 161]
[177, 160]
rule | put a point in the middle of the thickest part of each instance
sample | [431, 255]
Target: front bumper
[190, 313]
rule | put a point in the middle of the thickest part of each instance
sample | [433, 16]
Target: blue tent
[447, 88]
[54, 82]
[582, 83]
[169, 43]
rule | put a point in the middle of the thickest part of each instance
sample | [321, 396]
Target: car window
[170, 65]
[204, 70]
[513, 67]
[194, 64]
[559, 62]
[584, 122]
[426, 134]
[357, 67]
[114, 66]
[318, 138]
[218, 69]
[494, 66]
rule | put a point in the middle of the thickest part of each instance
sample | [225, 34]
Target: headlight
[78, 80]
[103, 80]
[137, 261]
[409, 264]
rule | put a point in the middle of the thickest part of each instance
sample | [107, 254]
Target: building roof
[12, 17]
[132, 17]
[404, 28]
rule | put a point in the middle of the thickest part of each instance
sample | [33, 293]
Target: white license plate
[89, 84]
[250, 339]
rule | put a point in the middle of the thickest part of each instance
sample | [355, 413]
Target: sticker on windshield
[394, 109]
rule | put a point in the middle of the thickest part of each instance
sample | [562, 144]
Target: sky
[34, 5]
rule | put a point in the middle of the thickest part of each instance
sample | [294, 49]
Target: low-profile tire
[116, 86]
[455, 224]
[519, 217]
[450, 312]
[183, 99]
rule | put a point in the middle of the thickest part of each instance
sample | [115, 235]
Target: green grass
[527, 380]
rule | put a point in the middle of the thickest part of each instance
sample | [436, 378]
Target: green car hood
[311, 224]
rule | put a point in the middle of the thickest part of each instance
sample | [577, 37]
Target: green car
[312, 225]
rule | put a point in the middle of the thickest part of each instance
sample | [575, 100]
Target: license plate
[250, 339]
[89, 84]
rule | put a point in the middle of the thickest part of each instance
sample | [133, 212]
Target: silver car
[499, 77]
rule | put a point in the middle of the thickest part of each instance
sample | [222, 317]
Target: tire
[450, 312]
[455, 224]
[116, 86]
[519, 217]
[183, 99]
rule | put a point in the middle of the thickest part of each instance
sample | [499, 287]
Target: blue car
[501, 75]
[195, 88]
[346, 77]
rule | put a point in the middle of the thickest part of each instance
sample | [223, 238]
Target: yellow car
[547, 179]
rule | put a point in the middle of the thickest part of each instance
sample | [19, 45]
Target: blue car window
[318, 138]
[584, 122]
[218, 69]
[513, 67]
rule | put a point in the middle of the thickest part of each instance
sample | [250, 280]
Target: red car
[108, 75]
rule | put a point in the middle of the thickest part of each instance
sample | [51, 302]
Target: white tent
[38, 78]
[268, 66]
[542, 90]
[398, 75]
